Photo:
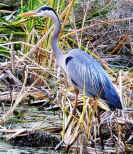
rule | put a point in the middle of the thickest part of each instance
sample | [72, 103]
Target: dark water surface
[6, 148]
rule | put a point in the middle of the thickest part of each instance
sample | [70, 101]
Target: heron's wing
[85, 72]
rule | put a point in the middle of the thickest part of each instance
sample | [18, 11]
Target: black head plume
[46, 8]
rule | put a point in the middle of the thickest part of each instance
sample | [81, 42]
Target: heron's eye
[39, 11]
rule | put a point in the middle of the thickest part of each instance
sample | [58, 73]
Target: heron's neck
[54, 40]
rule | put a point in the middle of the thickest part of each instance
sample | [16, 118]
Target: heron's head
[44, 11]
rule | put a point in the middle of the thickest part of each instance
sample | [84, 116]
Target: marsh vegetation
[36, 101]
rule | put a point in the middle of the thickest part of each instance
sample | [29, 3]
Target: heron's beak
[30, 13]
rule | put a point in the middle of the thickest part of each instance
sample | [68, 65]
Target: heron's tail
[113, 100]
[117, 105]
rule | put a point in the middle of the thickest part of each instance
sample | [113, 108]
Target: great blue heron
[82, 70]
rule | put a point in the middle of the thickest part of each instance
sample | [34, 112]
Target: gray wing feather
[86, 73]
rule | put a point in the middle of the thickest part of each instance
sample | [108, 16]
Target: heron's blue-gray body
[86, 73]
[82, 69]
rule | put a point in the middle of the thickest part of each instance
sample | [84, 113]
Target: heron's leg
[99, 121]
[76, 101]
[74, 109]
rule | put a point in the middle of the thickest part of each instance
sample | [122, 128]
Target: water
[32, 119]
[42, 119]
[6, 148]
